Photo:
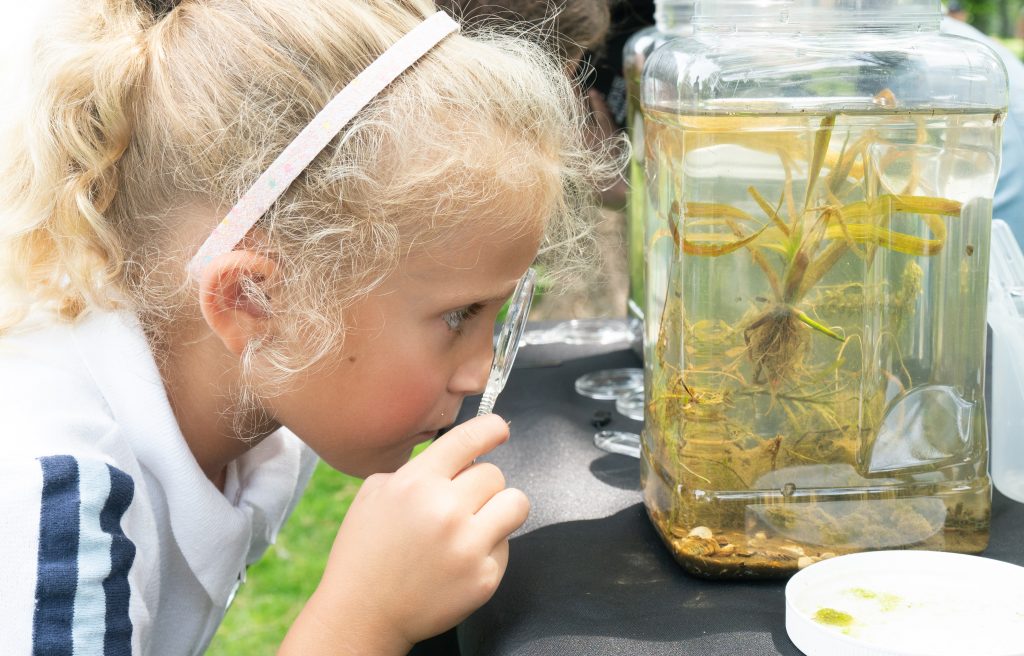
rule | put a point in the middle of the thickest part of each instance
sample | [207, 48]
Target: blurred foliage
[1016, 46]
[995, 17]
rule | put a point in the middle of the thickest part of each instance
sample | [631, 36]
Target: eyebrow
[501, 298]
[498, 298]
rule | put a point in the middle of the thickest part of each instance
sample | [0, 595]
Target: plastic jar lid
[907, 603]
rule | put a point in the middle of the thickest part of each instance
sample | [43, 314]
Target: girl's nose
[470, 376]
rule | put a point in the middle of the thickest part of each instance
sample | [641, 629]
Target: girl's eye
[457, 318]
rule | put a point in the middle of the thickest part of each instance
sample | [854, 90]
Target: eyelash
[456, 318]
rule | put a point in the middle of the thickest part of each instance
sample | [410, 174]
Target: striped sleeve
[64, 577]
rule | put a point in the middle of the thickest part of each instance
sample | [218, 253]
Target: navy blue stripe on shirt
[57, 569]
[118, 638]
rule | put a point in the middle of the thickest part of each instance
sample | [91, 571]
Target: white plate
[907, 603]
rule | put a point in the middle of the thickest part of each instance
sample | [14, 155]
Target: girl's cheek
[416, 392]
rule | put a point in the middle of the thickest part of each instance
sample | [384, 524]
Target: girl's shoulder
[77, 524]
[51, 399]
[48, 401]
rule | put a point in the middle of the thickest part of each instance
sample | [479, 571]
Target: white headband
[255, 202]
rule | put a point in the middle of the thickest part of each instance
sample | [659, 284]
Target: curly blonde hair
[573, 27]
[135, 115]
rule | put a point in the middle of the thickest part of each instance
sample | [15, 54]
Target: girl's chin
[380, 462]
[384, 459]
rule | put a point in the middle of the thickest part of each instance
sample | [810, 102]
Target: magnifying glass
[508, 341]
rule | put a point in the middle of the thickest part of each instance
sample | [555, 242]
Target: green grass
[1015, 45]
[278, 585]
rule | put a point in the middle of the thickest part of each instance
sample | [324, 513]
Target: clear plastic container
[1006, 319]
[823, 172]
[672, 20]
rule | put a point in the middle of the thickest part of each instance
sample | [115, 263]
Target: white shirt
[112, 540]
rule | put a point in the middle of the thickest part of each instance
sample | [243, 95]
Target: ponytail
[60, 175]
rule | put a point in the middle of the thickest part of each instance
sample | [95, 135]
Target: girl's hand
[418, 551]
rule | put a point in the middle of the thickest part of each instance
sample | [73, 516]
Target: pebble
[601, 419]
[701, 532]
[804, 561]
[698, 546]
[794, 551]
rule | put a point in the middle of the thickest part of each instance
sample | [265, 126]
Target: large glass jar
[672, 19]
[823, 172]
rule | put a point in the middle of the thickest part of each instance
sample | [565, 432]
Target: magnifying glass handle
[487, 403]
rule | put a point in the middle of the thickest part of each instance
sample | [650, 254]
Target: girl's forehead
[508, 215]
[486, 261]
[494, 234]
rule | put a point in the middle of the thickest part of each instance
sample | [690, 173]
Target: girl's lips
[434, 434]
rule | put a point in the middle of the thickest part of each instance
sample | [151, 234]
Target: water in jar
[816, 376]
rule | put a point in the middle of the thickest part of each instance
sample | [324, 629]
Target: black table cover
[587, 572]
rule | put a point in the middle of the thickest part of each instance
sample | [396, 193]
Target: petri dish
[631, 405]
[610, 384]
[620, 442]
[907, 603]
[582, 332]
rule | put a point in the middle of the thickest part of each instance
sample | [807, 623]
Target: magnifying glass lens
[508, 341]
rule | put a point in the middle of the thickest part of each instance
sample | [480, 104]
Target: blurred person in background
[956, 10]
[588, 34]
[574, 27]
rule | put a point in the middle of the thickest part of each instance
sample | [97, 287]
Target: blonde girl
[173, 351]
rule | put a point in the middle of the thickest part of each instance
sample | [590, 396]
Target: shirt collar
[214, 535]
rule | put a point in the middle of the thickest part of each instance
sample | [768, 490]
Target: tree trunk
[1005, 24]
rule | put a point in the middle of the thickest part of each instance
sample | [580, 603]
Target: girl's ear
[234, 298]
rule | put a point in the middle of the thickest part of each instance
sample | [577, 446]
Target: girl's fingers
[503, 514]
[500, 555]
[477, 484]
[459, 447]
